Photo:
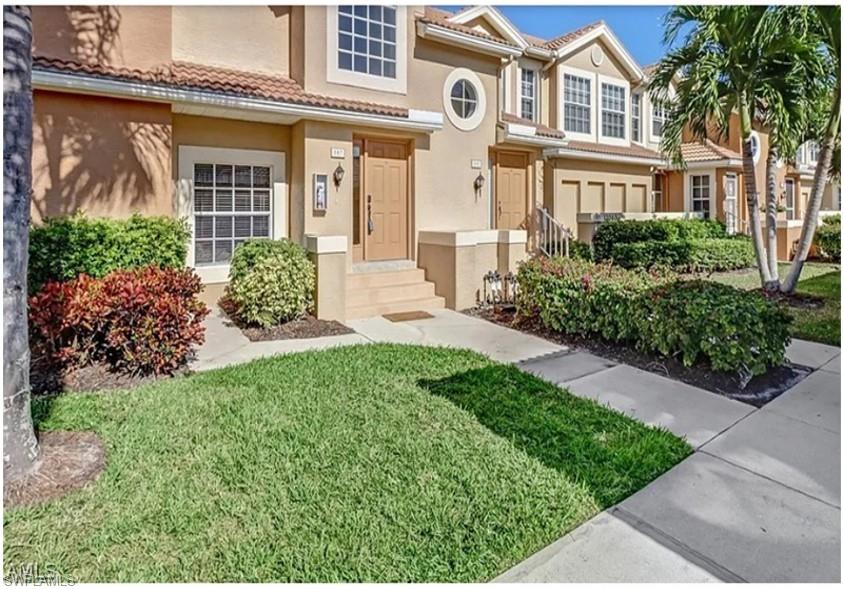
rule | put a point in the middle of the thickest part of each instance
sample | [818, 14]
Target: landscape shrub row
[685, 245]
[271, 282]
[65, 247]
[827, 239]
[732, 329]
[144, 320]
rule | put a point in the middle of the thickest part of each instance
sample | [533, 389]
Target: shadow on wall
[103, 156]
[87, 34]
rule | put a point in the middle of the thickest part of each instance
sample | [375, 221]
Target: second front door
[385, 205]
[511, 190]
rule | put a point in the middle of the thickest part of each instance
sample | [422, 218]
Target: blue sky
[638, 27]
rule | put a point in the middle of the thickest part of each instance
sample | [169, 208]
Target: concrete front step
[374, 309]
[363, 280]
[389, 294]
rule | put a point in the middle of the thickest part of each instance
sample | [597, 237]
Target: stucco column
[512, 249]
[328, 253]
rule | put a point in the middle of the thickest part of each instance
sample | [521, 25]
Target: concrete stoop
[369, 294]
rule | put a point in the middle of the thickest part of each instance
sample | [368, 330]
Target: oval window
[755, 146]
[464, 98]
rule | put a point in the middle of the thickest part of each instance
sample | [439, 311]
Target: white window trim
[712, 192]
[653, 137]
[190, 155]
[592, 77]
[754, 135]
[641, 135]
[474, 120]
[397, 85]
[536, 92]
[601, 79]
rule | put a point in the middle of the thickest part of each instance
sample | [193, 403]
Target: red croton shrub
[145, 320]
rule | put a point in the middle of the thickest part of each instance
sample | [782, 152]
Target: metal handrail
[554, 238]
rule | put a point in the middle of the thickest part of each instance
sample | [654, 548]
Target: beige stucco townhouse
[411, 150]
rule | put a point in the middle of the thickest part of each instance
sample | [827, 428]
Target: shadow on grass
[610, 454]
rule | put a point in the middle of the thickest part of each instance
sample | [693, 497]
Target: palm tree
[827, 20]
[20, 446]
[733, 59]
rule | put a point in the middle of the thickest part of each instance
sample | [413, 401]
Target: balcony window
[613, 113]
[577, 104]
[528, 94]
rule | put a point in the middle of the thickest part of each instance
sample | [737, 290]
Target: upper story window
[577, 104]
[658, 120]
[613, 110]
[636, 117]
[464, 98]
[808, 153]
[366, 40]
[528, 94]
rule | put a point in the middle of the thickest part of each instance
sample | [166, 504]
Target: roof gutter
[610, 157]
[445, 35]
[426, 121]
[707, 164]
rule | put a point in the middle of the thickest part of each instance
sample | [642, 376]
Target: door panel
[511, 191]
[386, 201]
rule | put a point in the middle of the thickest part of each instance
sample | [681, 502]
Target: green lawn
[375, 463]
[821, 280]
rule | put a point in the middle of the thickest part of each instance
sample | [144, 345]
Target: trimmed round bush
[735, 330]
[271, 282]
[66, 247]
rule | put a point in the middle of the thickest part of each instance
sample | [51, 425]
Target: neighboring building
[409, 148]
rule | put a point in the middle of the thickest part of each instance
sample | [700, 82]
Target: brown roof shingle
[706, 151]
[632, 151]
[195, 76]
[541, 130]
[563, 40]
[440, 18]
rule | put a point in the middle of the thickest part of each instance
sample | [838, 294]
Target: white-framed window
[464, 99]
[367, 40]
[229, 196]
[755, 146]
[790, 199]
[658, 193]
[613, 111]
[635, 122]
[367, 47]
[231, 203]
[659, 117]
[528, 92]
[577, 93]
[701, 194]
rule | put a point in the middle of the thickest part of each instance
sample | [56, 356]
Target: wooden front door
[385, 220]
[511, 191]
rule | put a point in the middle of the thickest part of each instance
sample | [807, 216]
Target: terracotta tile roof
[706, 151]
[632, 151]
[563, 40]
[649, 70]
[533, 40]
[440, 18]
[541, 130]
[215, 79]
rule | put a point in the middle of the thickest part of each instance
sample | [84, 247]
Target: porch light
[479, 182]
[339, 173]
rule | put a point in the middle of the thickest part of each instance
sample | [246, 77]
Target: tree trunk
[20, 447]
[771, 214]
[754, 213]
[809, 222]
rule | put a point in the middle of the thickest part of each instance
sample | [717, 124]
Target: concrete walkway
[758, 501]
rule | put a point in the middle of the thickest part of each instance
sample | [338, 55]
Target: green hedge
[271, 282]
[827, 239]
[611, 233]
[65, 247]
[693, 320]
[713, 254]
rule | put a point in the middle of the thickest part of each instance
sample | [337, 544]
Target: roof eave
[609, 157]
[424, 121]
[525, 135]
[442, 34]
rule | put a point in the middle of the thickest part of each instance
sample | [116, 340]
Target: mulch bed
[757, 391]
[48, 380]
[304, 328]
[68, 461]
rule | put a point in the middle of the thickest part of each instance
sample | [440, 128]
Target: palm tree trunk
[754, 213]
[771, 214]
[809, 222]
[20, 447]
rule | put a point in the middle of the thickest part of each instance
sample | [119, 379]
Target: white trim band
[608, 157]
[326, 244]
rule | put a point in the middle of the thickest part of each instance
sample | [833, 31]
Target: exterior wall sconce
[479, 182]
[339, 174]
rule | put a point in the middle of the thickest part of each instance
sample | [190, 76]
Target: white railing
[554, 238]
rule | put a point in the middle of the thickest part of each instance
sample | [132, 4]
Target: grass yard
[366, 463]
[820, 280]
